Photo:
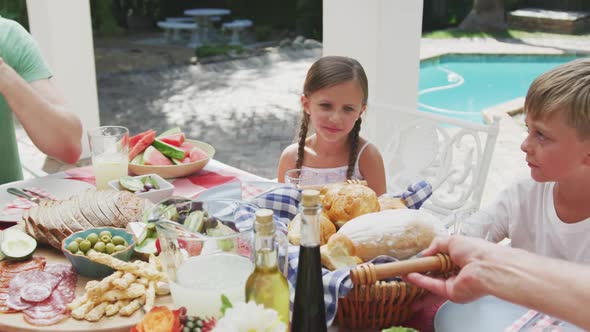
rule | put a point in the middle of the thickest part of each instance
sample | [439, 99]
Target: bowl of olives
[109, 240]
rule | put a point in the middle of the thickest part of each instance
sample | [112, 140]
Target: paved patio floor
[248, 109]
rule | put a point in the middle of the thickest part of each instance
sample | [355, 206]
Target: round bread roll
[327, 229]
[343, 202]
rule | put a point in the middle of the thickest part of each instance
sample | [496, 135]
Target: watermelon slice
[142, 144]
[197, 154]
[187, 147]
[138, 160]
[186, 160]
[168, 150]
[174, 139]
[133, 140]
[152, 156]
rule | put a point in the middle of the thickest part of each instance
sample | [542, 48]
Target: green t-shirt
[19, 50]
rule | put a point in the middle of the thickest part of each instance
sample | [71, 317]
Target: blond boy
[549, 214]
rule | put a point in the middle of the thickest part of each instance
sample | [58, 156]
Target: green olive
[120, 248]
[78, 239]
[79, 253]
[90, 251]
[106, 239]
[73, 247]
[109, 248]
[103, 233]
[93, 238]
[85, 245]
[99, 246]
[118, 240]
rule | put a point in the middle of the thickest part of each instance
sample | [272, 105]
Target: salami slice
[32, 286]
[8, 271]
[50, 307]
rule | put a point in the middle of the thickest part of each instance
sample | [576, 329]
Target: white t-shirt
[525, 213]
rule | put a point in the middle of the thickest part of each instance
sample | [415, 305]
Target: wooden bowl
[176, 171]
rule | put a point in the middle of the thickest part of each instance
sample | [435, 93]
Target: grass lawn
[508, 34]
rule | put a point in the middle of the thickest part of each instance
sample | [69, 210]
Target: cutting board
[15, 322]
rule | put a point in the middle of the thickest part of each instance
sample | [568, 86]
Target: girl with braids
[335, 96]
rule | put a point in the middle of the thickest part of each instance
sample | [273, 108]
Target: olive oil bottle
[267, 285]
[309, 310]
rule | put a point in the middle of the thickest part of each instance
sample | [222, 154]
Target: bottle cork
[310, 197]
[264, 222]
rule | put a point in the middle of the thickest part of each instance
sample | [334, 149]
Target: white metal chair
[453, 155]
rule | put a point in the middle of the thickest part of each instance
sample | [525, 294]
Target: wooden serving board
[14, 322]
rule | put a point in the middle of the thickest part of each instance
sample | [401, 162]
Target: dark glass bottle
[309, 313]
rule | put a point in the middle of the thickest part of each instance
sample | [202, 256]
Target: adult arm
[372, 168]
[552, 286]
[40, 108]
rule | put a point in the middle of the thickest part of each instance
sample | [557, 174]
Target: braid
[353, 137]
[302, 137]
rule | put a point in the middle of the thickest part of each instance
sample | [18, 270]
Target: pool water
[461, 86]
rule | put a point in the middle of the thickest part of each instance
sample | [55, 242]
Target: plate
[233, 190]
[489, 313]
[177, 171]
[59, 188]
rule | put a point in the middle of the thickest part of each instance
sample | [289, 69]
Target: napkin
[535, 321]
[284, 202]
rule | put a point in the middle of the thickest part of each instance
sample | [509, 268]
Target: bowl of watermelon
[170, 154]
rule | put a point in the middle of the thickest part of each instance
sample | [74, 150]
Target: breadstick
[77, 302]
[134, 291]
[124, 282]
[112, 309]
[95, 290]
[150, 295]
[129, 309]
[80, 312]
[96, 313]
[141, 270]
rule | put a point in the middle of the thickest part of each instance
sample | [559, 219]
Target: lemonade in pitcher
[201, 280]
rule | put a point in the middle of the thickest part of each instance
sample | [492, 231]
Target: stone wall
[550, 21]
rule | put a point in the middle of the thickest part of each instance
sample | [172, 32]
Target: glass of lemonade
[206, 256]
[109, 146]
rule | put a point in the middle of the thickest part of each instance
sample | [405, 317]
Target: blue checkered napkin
[416, 194]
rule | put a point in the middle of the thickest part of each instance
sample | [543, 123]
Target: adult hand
[469, 254]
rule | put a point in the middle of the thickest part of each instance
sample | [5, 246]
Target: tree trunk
[486, 15]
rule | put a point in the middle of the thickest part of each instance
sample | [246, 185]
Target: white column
[63, 30]
[384, 36]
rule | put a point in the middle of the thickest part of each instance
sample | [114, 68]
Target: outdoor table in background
[203, 19]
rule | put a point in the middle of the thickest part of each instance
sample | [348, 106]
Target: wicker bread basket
[373, 303]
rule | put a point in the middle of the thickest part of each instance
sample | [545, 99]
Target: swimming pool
[461, 86]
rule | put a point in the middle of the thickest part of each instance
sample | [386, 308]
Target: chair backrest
[453, 155]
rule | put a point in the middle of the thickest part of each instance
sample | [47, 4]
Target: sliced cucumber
[17, 245]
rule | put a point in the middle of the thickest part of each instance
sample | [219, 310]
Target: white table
[203, 19]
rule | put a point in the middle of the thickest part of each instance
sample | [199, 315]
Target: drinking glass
[472, 222]
[203, 266]
[109, 146]
[302, 177]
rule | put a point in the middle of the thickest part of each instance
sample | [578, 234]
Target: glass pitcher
[206, 255]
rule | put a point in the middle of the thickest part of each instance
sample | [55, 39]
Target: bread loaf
[327, 228]
[391, 203]
[398, 233]
[339, 252]
[343, 202]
